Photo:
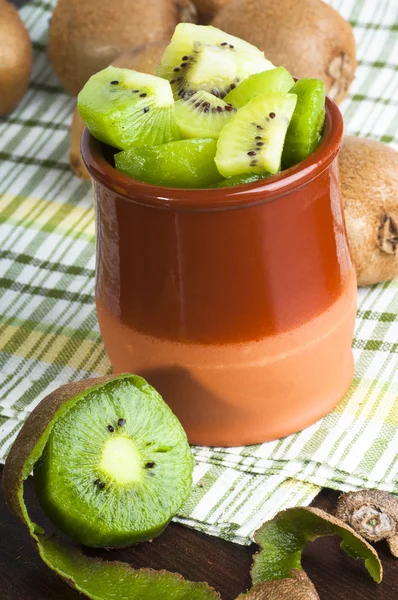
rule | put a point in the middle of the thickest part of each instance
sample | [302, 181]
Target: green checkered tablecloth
[49, 333]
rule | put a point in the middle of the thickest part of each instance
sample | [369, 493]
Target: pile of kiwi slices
[216, 113]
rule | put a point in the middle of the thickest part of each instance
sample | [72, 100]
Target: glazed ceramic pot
[237, 304]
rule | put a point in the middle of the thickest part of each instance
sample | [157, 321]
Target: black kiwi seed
[215, 92]
[206, 106]
[176, 69]
[101, 485]
[121, 422]
[232, 86]
[172, 81]
[259, 143]
[149, 465]
[219, 108]
[143, 95]
[259, 127]
[229, 107]
[146, 109]
[224, 43]
[114, 82]
[184, 64]
[97, 482]
[253, 163]
[272, 115]
[135, 91]
[231, 46]
[252, 153]
[258, 137]
[110, 428]
[185, 58]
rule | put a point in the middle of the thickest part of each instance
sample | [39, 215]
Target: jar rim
[263, 190]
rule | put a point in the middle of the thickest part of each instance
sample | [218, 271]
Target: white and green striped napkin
[48, 329]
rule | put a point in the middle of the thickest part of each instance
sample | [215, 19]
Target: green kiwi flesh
[202, 115]
[252, 140]
[242, 179]
[182, 164]
[205, 58]
[125, 108]
[116, 467]
[273, 80]
[305, 129]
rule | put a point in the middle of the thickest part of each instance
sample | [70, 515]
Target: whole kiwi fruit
[86, 35]
[308, 38]
[369, 184]
[144, 59]
[207, 9]
[15, 58]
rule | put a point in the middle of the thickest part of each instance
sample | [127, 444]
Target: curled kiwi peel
[97, 579]
[283, 539]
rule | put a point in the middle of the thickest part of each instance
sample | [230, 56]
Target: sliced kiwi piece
[252, 141]
[181, 164]
[273, 80]
[124, 108]
[116, 467]
[242, 179]
[205, 58]
[305, 129]
[202, 115]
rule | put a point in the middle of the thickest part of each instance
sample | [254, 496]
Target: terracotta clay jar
[236, 304]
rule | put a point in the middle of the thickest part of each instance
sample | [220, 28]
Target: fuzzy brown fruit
[369, 184]
[144, 59]
[308, 38]
[86, 35]
[207, 9]
[15, 58]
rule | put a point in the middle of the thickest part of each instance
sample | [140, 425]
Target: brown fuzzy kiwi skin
[144, 59]
[369, 185]
[207, 9]
[15, 58]
[371, 513]
[297, 587]
[308, 38]
[31, 432]
[86, 35]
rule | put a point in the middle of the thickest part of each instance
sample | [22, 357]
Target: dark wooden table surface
[23, 576]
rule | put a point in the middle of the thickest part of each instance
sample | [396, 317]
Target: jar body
[242, 318]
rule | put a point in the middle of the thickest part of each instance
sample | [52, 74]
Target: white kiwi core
[121, 460]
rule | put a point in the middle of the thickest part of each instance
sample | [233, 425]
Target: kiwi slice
[124, 108]
[205, 58]
[305, 129]
[242, 179]
[252, 141]
[116, 467]
[273, 80]
[181, 164]
[202, 115]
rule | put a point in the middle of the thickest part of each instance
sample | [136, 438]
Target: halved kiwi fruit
[273, 80]
[116, 467]
[305, 129]
[181, 164]
[125, 108]
[252, 141]
[205, 58]
[202, 115]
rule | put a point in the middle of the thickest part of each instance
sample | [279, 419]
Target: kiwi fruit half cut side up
[273, 80]
[202, 115]
[181, 164]
[116, 467]
[125, 108]
[252, 141]
[205, 58]
[305, 129]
